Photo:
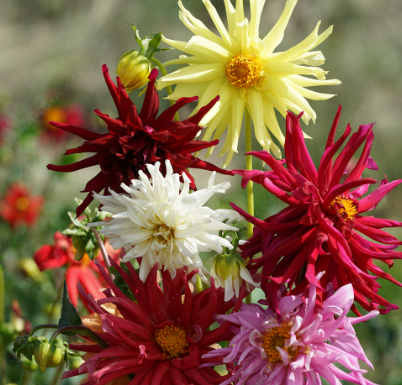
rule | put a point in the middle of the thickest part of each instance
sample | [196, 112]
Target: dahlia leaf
[69, 315]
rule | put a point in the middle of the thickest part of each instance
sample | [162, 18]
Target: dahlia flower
[18, 207]
[321, 228]
[133, 141]
[159, 338]
[244, 70]
[62, 254]
[297, 345]
[161, 222]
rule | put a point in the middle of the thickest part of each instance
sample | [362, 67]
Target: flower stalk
[249, 167]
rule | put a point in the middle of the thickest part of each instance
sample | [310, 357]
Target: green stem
[27, 377]
[168, 88]
[2, 295]
[3, 362]
[45, 326]
[56, 300]
[249, 167]
[103, 252]
[57, 374]
[250, 185]
[82, 331]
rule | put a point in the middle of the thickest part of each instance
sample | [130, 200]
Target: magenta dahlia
[298, 344]
[134, 140]
[157, 336]
[322, 228]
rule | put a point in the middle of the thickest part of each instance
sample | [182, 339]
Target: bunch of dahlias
[164, 316]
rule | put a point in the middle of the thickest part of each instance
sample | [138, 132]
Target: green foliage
[69, 315]
[82, 237]
[120, 282]
[149, 44]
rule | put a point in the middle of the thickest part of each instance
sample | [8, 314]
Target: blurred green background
[52, 52]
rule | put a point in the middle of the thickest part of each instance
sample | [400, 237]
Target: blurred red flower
[134, 140]
[4, 126]
[18, 207]
[73, 115]
[84, 271]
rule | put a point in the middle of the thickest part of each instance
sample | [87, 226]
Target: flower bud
[30, 366]
[229, 271]
[133, 70]
[49, 355]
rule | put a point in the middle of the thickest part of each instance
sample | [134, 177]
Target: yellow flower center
[164, 234]
[244, 71]
[276, 337]
[346, 207]
[172, 340]
[22, 203]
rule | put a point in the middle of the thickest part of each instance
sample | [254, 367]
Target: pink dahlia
[322, 227]
[158, 338]
[297, 344]
[134, 140]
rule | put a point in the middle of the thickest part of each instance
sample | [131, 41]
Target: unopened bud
[49, 355]
[133, 70]
[229, 271]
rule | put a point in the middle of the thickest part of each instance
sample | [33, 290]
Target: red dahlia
[18, 207]
[133, 141]
[322, 227]
[62, 253]
[160, 337]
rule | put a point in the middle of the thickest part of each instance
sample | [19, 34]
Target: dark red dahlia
[322, 228]
[160, 337]
[133, 141]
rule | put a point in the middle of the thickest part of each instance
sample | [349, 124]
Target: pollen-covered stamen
[345, 207]
[172, 340]
[276, 337]
[244, 71]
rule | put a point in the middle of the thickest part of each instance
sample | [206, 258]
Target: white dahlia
[160, 221]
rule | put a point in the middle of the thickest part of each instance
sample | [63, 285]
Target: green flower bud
[30, 366]
[133, 70]
[75, 362]
[50, 355]
[229, 271]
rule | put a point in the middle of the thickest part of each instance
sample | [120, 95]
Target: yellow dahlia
[244, 70]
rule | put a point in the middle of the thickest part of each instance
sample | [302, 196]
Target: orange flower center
[22, 203]
[172, 340]
[346, 207]
[276, 337]
[244, 71]
[54, 114]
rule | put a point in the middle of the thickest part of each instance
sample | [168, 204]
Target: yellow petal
[188, 90]
[204, 48]
[237, 118]
[272, 123]
[275, 36]
[183, 59]
[282, 70]
[197, 73]
[308, 93]
[308, 82]
[256, 109]
[229, 42]
[256, 7]
[198, 27]
[306, 45]
[313, 58]
[231, 16]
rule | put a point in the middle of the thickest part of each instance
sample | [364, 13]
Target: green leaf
[120, 282]
[139, 41]
[78, 232]
[77, 222]
[69, 315]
